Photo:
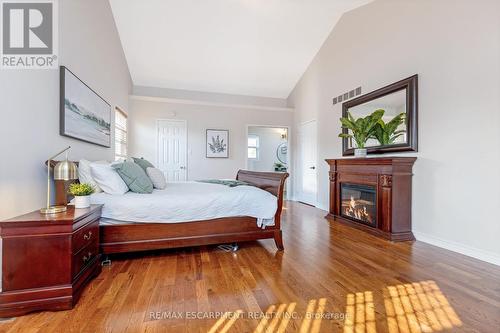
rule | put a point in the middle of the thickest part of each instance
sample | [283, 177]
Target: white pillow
[157, 178]
[84, 175]
[108, 179]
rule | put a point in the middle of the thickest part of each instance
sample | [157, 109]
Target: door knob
[183, 167]
[312, 168]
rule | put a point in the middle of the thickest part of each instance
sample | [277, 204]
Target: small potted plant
[361, 130]
[279, 167]
[82, 194]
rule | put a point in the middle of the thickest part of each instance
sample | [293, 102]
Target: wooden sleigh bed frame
[132, 237]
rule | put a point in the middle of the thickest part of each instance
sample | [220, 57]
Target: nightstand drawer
[85, 236]
[83, 258]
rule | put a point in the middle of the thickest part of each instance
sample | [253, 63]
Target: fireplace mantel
[390, 178]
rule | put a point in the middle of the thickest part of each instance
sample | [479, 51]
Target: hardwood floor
[330, 278]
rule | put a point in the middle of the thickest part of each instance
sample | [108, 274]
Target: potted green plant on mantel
[361, 130]
[387, 133]
[82, 193]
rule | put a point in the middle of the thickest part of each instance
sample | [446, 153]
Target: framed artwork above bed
[84, 115]
[217, 143]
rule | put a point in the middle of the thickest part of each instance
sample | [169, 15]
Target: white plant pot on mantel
[360, 152]
[82, 201]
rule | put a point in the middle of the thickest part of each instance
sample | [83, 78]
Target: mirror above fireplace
[399, 102]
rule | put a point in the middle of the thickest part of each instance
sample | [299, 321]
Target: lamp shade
[65, 170]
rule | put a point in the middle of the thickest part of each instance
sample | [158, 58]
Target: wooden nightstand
[47, 260]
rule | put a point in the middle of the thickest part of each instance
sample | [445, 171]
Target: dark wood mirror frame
[411, 86]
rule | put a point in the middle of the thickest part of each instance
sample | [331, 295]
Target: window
[253, 147]
[120, 134]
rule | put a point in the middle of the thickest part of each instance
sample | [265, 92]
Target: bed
[132, 236]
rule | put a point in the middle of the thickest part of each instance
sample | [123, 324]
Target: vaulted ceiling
[246, 47]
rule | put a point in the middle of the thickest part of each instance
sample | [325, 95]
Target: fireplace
[373, 194]
[359, 203]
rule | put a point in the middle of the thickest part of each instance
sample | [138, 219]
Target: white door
[307, 163]
[172, 149]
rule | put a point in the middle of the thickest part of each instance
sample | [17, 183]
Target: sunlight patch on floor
[418, 307]
[360, 313]
[277, 317]
[229, 318]
[313, 316]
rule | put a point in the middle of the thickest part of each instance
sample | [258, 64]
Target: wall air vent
[348, 95]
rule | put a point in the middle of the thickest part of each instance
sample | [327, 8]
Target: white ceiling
[246, 47]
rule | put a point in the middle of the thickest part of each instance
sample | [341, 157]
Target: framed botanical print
[84, 115]
[217, 143]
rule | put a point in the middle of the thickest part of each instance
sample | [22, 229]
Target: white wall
[142, 133]
[269, 140]
[29, 103]
[454, 46]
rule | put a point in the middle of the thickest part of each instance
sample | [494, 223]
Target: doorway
[172, 149]
[267, 149]
[307, 180]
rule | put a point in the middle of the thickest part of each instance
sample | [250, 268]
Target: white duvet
[189, 201]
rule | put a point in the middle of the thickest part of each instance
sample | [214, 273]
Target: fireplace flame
[357, 211]
[352, 204]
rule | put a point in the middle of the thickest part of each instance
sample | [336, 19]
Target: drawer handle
[88, 236]
[87, 259]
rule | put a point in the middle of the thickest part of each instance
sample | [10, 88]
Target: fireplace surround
[373, 194]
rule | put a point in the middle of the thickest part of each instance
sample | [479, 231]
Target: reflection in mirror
[394, 105]
[267, 148]
[282, 152]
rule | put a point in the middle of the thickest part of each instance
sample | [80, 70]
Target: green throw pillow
[144, 164]
[135, 178]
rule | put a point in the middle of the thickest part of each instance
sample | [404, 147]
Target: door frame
[158, 141]
[289, 181]
[298, 194]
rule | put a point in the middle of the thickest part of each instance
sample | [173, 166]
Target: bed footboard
[272, 182]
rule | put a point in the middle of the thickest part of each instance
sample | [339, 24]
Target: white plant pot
[82, 201]
[360, 152]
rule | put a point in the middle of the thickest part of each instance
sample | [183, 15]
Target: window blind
[120, 134]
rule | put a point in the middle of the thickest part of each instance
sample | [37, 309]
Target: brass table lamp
[64, 170]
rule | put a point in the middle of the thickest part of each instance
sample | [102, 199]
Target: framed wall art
[84, 115]
[217, 143]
